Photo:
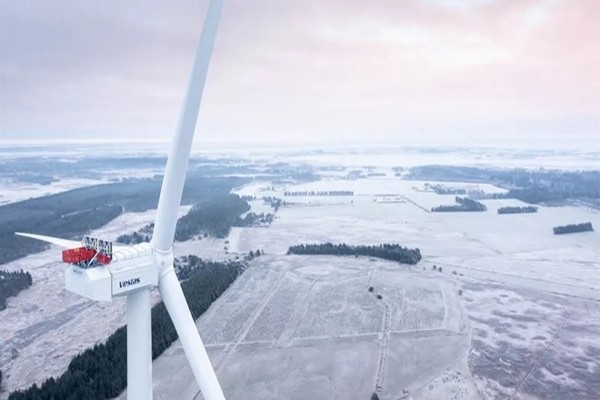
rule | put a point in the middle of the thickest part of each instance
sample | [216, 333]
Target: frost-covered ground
[532, 344]
[524, 326]
[16, 191]
[300, 327]
[306, 327]
[13, 191]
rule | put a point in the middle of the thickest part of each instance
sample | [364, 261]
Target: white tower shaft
[139, 346]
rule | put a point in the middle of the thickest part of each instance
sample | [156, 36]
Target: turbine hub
[164, 261]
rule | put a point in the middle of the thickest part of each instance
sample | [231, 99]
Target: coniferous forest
[215, 216]
[101, 372]
[517, 210]
[11, 283]
[530, 186]
[392, 252]
[464, 204]
[73, 213]
[320, 193]
[573, 228]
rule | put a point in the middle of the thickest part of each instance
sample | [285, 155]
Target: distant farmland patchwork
[494, 306]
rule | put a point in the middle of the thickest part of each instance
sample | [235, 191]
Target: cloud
[303, 69]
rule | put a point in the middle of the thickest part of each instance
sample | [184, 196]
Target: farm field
[302, 327]
[512, 312]
[498, 307]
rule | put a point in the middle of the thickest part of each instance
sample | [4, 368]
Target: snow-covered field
[531, 343]
[16, 191]
[524, 326]
[302, 327]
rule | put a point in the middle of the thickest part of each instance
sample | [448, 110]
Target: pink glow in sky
[334, 70]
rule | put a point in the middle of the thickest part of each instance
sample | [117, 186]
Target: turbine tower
[100, 271]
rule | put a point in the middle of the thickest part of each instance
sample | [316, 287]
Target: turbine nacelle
[131, 269]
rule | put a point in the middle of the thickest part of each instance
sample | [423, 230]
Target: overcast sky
[331, 70]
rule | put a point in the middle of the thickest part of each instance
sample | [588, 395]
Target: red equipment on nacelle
[83, 255]
[94, 251]
[78, 255]
[104, 259]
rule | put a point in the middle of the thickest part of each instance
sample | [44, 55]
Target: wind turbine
[102, 272]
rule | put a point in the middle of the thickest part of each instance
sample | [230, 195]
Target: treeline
[39, 179]
[572, 228]
[441, 189]
[11, 283]
[393, 252]
[187, 266]
[94, 167]
[74, 213]
[253, 254]
[215, 217]
[464, 204]
[142, 235]
[530, 186]
[274, 202]
[517, 210]
[320, 193]
[253, 219]
[101, 372]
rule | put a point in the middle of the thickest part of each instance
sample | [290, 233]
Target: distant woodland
[573, 228]
[274, 202]
[40, 170]
[320, 193]
[11, 283]
[214, 217]
[140, 236]
[517, 210]
[463, 204]
[442, 189]
[392, 252]
[530, 186]
[39, 179]
[101, 372]
[253, 219]
[74, 213]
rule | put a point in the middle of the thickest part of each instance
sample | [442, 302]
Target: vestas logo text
[129, 282]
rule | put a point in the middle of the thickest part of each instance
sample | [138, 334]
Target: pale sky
[331, 70]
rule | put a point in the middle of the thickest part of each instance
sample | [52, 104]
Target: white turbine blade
[195, 352]
[172, 185]
[69, 244]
